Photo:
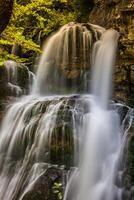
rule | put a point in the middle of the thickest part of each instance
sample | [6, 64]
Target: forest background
[32, 21]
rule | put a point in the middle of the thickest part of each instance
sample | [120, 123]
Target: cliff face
[119, 14]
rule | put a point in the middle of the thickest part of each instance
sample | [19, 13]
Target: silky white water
[66, 57]
[101, 135]
[24, 145]
[72, 130]
[12, 74]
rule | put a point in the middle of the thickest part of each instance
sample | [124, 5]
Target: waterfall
[13, 71]
[66, 59]
[102, 66]
[36, 137]
[12, 77]
[59, 125]
[101, 140]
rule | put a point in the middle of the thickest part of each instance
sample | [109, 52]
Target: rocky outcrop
[103, 12]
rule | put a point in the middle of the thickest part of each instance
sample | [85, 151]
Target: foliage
[32, 21]
[57, 189]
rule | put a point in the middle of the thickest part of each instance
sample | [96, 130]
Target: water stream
[12, 73]
[84, 131]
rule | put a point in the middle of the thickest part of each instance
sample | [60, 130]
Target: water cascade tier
[16, 78]
[44, 132]
[54, 138]
[64, 65]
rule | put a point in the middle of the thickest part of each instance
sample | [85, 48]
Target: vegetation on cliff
[32, 21]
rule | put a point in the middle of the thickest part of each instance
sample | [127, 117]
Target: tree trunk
[6, 7]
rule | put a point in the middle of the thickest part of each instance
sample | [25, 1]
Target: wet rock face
[124, 75]
[63, 143]
[127, 177]
[104, 12]
[128, 174]
[15, 80]
[44, 188]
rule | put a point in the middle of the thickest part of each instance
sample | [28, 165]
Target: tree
[31, 22]
[6, 7]
[34, 20]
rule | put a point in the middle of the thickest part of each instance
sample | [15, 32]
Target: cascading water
[101, 135]
[24, 152]
[66, 59]
[12, 72]
[74, 130]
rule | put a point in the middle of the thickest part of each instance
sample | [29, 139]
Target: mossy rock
[43, 188]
